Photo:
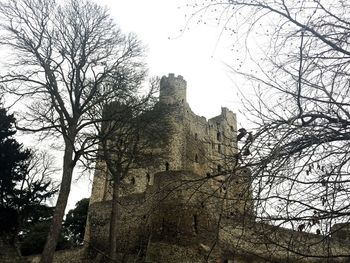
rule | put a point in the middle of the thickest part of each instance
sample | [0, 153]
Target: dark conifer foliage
[14, 164]
[76, 220]
[25, 183]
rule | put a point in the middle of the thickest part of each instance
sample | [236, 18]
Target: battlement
[172, 89]
[171, 79]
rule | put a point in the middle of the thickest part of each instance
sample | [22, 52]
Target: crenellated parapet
[172, 89]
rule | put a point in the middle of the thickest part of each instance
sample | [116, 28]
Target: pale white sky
[197, 54]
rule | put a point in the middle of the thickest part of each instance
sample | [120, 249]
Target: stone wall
[180, 208]
[77, 255]
[276, 244]
[132, 229]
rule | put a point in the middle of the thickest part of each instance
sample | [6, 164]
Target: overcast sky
[198, 54]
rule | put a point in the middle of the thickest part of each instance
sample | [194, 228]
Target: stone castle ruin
[179, 202]
[194, 206]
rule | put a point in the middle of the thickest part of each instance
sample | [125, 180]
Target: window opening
[219, 168]
[195, 224]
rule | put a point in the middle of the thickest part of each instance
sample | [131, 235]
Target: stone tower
[172, 89]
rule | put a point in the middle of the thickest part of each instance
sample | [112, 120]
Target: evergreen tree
[76, 220]
[24, 183]
[34, 240]
[14, 164]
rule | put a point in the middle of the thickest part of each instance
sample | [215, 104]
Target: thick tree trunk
[113, 223]
[56, 224]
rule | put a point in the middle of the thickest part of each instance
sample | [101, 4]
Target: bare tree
[299, 152]
[68, 59]
[129, 142]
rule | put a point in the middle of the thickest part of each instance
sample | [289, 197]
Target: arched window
[167, 166]
[196, 158]
[133, 181]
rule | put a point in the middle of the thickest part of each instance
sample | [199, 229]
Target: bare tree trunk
[56, 224]
[114, 221]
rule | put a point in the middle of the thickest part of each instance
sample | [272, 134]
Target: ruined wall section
[197, 145]
[239, 203]
[134, 212]
[223, 134]
[136, 182]
[210, 144]
[185, 208]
